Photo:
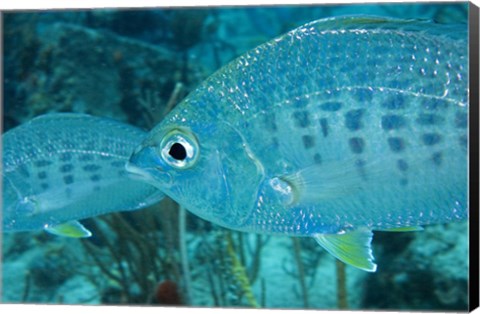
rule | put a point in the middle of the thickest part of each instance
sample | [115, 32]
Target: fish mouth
[136, 173]
[143, 166]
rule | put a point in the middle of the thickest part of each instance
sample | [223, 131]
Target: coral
[166, 293]
[133, 253]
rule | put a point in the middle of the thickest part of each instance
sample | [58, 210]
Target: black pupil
[178, 152]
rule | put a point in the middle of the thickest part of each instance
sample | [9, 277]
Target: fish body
[337, 128]
[59, 168]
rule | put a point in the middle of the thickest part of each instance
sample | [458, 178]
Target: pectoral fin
[334, 179]
[72, 229]
[315, 184]
[353, 248]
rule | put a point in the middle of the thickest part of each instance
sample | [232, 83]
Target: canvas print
[308, 157]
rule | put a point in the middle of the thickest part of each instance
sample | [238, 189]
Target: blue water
[128, 65]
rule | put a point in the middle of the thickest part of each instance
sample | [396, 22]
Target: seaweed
[187, 29]
[151, 104]
[240, 274]
[229, 277]
[50, 268]
[342, 301]
[301, 272]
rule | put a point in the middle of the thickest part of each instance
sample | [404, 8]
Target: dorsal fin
[366, 22]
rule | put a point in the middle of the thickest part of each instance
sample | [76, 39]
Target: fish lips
[145, 165]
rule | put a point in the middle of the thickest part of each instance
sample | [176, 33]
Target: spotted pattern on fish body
[54, 173]
[369, 134]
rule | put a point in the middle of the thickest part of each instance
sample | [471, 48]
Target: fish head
[206, 168]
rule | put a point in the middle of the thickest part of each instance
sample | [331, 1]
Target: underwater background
[134, 66]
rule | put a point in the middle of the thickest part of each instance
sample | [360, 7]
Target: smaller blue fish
[62, 167]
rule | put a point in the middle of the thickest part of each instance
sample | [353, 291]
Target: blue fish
[59, 168]
[337, 128]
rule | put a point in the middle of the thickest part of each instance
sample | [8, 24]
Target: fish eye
[179, 149]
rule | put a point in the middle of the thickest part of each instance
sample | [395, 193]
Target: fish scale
[416, 157]
[59, 168]
[337, 128]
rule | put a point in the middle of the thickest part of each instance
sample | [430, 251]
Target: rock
[64, 67]
[422, 270]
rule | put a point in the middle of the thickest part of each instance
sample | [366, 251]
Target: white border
[61, 4]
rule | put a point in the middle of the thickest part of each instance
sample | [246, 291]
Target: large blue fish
[59, 168]
[335, 129]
